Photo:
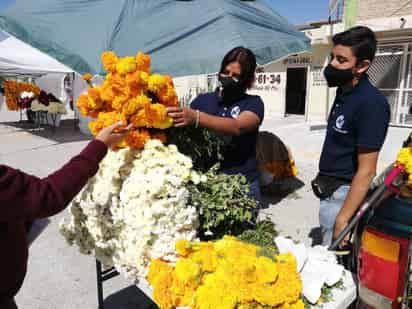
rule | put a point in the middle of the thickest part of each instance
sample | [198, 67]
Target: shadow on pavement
[279, 190]
[129, 298]
[316, 235]
[67, 132]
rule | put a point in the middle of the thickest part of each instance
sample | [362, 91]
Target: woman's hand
[182, 116]
[112, 135]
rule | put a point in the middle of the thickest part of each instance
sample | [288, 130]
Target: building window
[391, 72]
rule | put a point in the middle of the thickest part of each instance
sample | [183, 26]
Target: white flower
[135, 208]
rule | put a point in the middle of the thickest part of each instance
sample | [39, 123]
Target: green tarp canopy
[182, 37]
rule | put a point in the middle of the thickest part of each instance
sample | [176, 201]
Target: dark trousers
[8, 304]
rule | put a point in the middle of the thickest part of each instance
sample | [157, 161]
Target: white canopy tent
[21, 60]
[18, 58]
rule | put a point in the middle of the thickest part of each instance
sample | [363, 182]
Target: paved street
[60, 278]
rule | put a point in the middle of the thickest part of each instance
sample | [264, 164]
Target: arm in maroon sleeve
[27, 197]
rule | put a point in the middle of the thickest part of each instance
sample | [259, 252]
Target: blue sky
[297, 11]
[301, 11]
[5, 3]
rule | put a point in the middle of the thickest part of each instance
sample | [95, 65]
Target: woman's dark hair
[247, 61]
[360, 39]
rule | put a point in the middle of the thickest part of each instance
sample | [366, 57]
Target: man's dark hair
[247, 61]
[360, 39]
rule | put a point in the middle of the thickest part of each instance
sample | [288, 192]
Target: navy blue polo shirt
[239, 156]
[359, 118]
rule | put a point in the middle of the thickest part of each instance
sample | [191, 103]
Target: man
[356, 130]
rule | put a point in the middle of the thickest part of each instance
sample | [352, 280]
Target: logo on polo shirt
[340, 121]
[235, 111]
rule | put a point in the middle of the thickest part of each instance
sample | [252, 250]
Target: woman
[24, 198]
[231, 112]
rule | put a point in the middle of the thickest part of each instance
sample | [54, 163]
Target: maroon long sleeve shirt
[24, 198]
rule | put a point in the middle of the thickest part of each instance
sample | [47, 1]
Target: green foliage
[203, 146]
[223, 203]
[262, 235]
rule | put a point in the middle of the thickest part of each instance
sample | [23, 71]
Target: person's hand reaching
[112, 135]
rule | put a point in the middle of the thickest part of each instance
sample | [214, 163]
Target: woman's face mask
[231, 89]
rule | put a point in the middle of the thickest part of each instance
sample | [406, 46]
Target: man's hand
[112, 135]
[182, 116]
[340, 225]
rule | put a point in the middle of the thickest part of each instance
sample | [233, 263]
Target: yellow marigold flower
[298, 305]
[157, 83]
[144, 76]
[266, 270]
[206, 258]
[87, 77]
[163, 124]
[183, 292]
[134, 105]
[109, 60]
[143, 62]
[126, 65]
[183, 247]
[106, 93]
[187, 270]
[157, 266]
[162, 293]
[95, 127]
[403, 155]
[105, 119]
[215, 294]
[156, 116]
[119, 102]
[139, 119]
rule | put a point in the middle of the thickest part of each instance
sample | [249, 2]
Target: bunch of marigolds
[225, 274]
[281, 169]
[132, 94]
[12, 91]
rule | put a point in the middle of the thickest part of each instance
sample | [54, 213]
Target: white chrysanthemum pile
[135, 208]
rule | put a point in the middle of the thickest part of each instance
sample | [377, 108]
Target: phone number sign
[267, 81]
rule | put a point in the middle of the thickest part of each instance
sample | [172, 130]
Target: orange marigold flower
[83, 104]
[143, 62]
[137, 81]
[117, 82]
[169, 98]
[137, 139]
[94, 99]
[87, 77]
[109, 60]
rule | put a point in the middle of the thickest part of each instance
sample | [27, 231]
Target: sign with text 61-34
[267, 81]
